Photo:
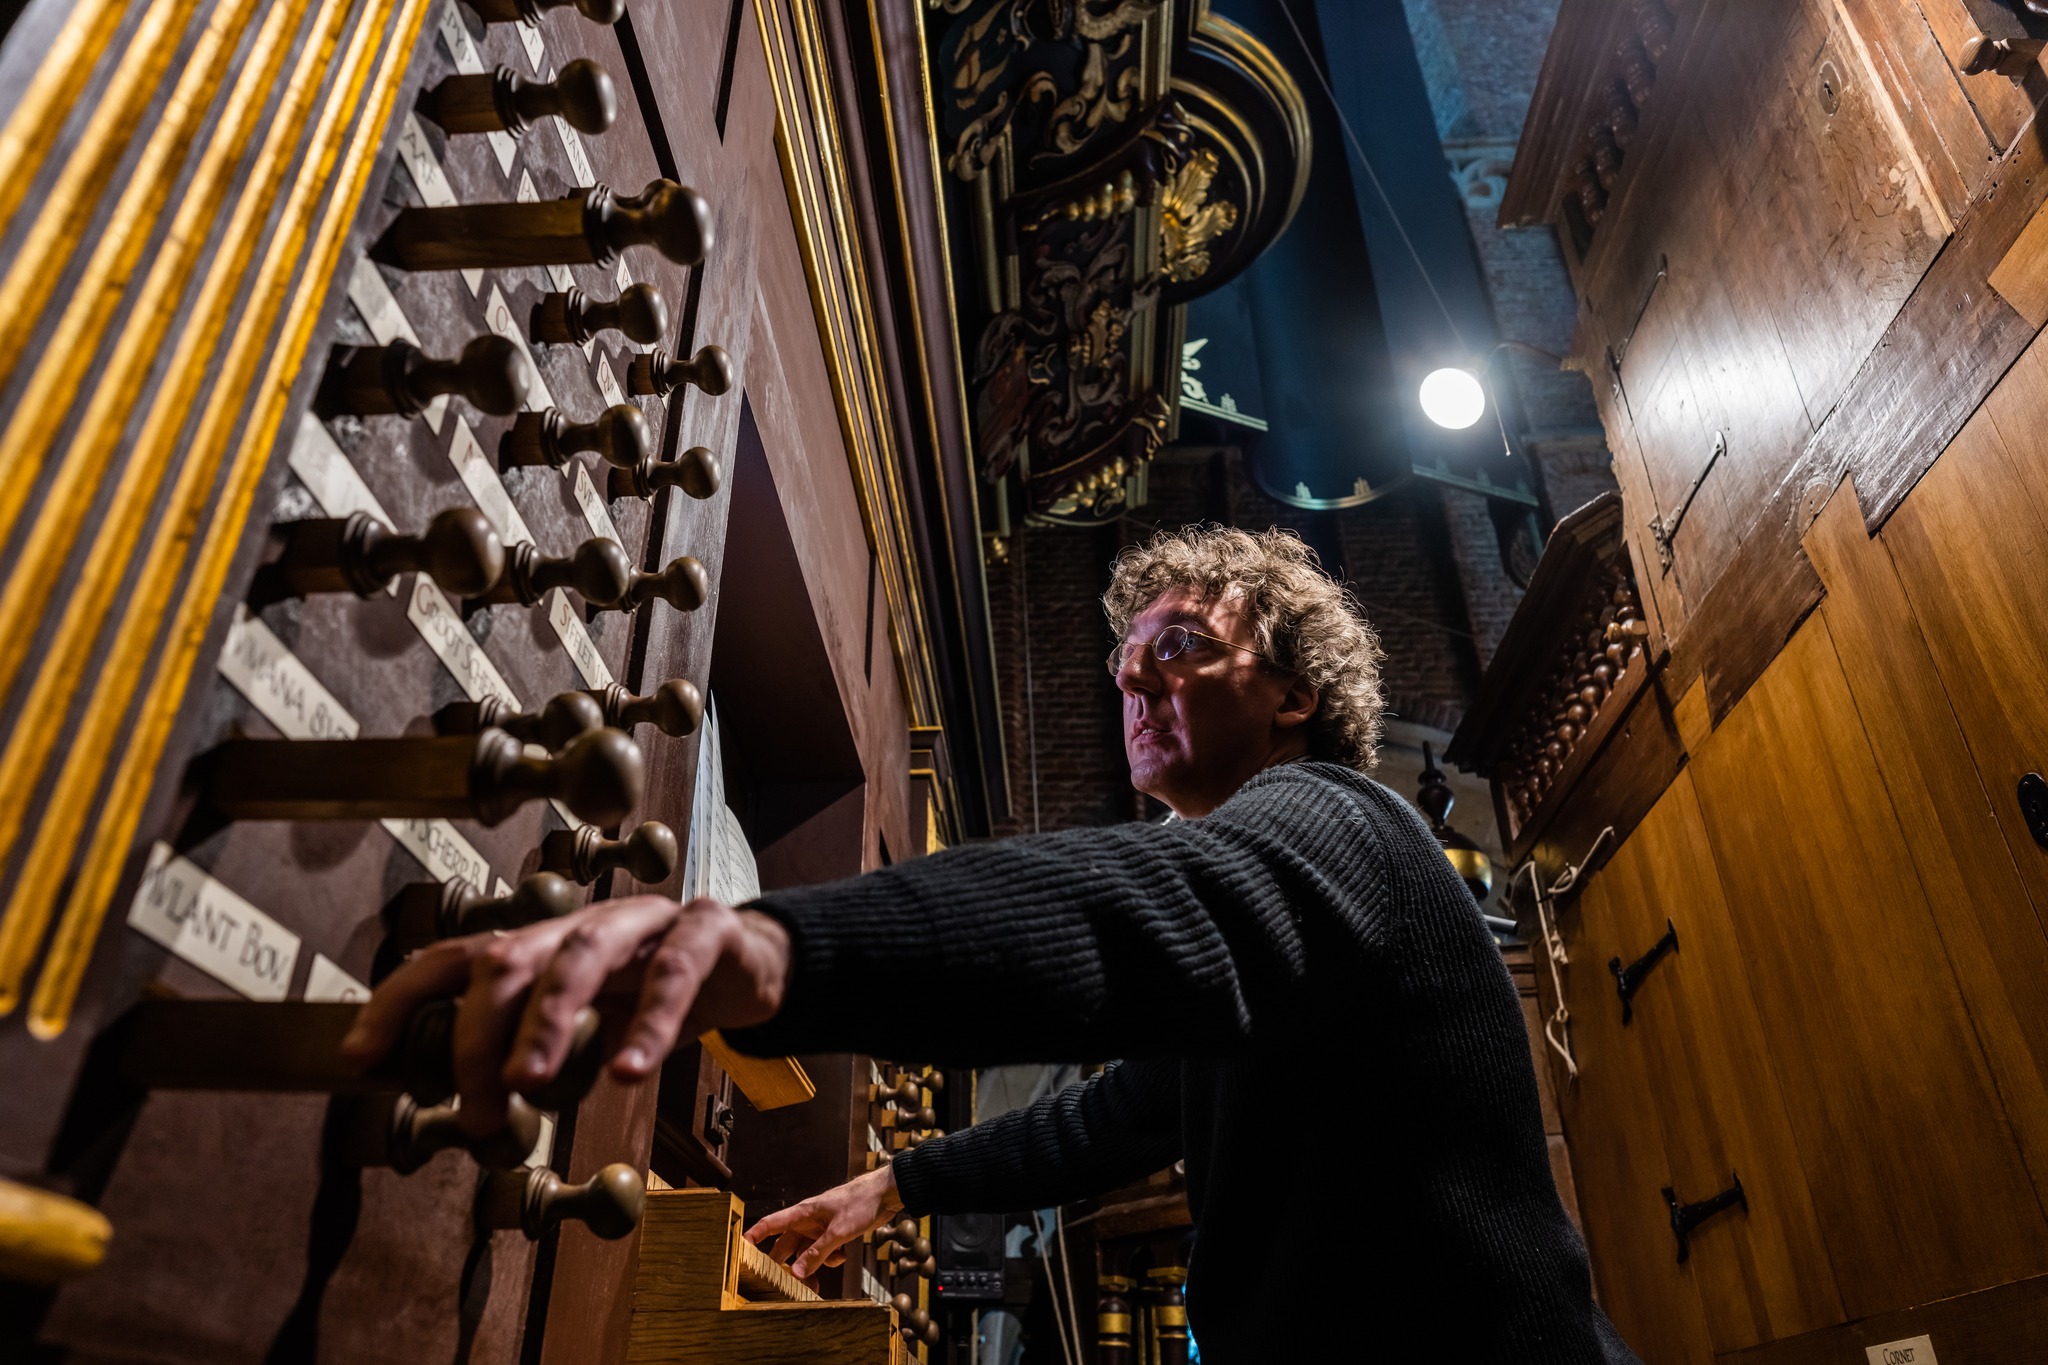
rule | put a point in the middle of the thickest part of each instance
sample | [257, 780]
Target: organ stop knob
[483, 777]
[492, 374]
[638, 313]
[565, 716]
[426, 911]
[658, 372]
[683, 585]
[675, 708]
[533, 1201]
[598, 570]
[696, 471]
[589, 229]
[620, 436]
[360, 554]
[400, 1132]
[508, 11]
[649, 854]
[502, 100]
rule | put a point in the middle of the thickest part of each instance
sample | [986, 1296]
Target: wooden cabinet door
[1761, 1273]
[1617, 1146]
[1914, 1172]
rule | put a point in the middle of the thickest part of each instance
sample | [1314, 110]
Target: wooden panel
[1992, 1327]
[1971, 546]
[1762, 1274]
[815, 1333]
[2002, 105]
[1618, 1158]
[1975, 892]
[2021, 276]
[1888, 1093]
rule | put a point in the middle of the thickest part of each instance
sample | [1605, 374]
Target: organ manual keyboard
[413, 415]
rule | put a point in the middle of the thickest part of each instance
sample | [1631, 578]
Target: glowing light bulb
[1453, 398]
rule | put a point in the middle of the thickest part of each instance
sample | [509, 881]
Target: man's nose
[1139, 673]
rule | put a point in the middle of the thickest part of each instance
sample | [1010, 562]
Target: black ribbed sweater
[1311, 1014]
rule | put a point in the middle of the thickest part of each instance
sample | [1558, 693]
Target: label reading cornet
[187, 911]
[1909, 1351]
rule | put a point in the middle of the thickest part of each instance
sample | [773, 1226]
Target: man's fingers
[786, 1246]
[590, 948]
[500, 973]
[668, 989]
[431, 974]
[780, 1221]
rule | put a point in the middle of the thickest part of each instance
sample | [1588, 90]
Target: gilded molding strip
[60, 226]
[850, 341]
[104, 864]
[45, 405]
[40, 725]
[31, 130]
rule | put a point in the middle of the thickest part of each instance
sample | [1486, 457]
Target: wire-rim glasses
[1170, 643]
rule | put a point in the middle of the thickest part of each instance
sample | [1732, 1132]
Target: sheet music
[720, 862]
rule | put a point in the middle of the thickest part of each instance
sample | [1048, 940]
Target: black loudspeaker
[969, 1250]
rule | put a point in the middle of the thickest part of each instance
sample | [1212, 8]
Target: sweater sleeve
[1112, 1129]
[1128, 941]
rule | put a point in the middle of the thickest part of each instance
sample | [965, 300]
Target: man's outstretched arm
[1110, 1130]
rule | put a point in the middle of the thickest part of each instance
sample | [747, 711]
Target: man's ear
[1297, 704]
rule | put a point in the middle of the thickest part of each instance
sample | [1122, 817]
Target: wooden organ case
[431, 429]
[1767, 734]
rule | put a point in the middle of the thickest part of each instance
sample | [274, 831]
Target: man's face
[1197, 726]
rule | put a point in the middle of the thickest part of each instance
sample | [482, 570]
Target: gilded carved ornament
[1187, 223]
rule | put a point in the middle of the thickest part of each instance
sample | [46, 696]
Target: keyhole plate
[1830, 87]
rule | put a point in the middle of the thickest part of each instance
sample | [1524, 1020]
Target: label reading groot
[211, 927]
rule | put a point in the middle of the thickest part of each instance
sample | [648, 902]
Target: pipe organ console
[417, 414]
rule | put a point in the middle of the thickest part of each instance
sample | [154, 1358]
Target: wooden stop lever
[638, 313]
[588, 229]
[423, 912]
[483, 777]
[598, 570]
[399, 1132]
[533, 1201]
[360, 554]
[649, 854]
[683, 585]
[492, 374]
[509, 11]
[566, 716]
[696, 471]
[620, 436]
[658, 372]
[676, 708]
[501, 100]
[295, 1045]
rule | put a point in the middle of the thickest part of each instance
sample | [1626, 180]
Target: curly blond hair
[1302, 620]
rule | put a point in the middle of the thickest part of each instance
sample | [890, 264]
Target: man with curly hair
[1309, 1010]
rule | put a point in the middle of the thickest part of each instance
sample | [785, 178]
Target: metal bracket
[1664, 530]
[1686, 1217]
[1628, 980]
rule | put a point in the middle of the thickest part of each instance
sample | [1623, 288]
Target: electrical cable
[1059, 1222]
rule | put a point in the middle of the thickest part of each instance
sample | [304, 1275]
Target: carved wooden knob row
[249, 1045]
[620, 436]
[589, 229]
[399, 1132]
[501, 100]
[425, 911]
[598, 570]
[649, 854]
[907, 1118]
[683, 585]
[563, 718]
[658, 372]
[360, 554]
[484, 777]
[571, 316]
[906, 1091]
[533, 1201]
[492, 374]
[696, 471]
[510, 11]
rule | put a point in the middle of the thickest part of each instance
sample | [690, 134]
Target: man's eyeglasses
[1170, 643]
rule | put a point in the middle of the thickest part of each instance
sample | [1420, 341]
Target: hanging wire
[1030, 704]
[1069, 1351]
[1358, 150]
